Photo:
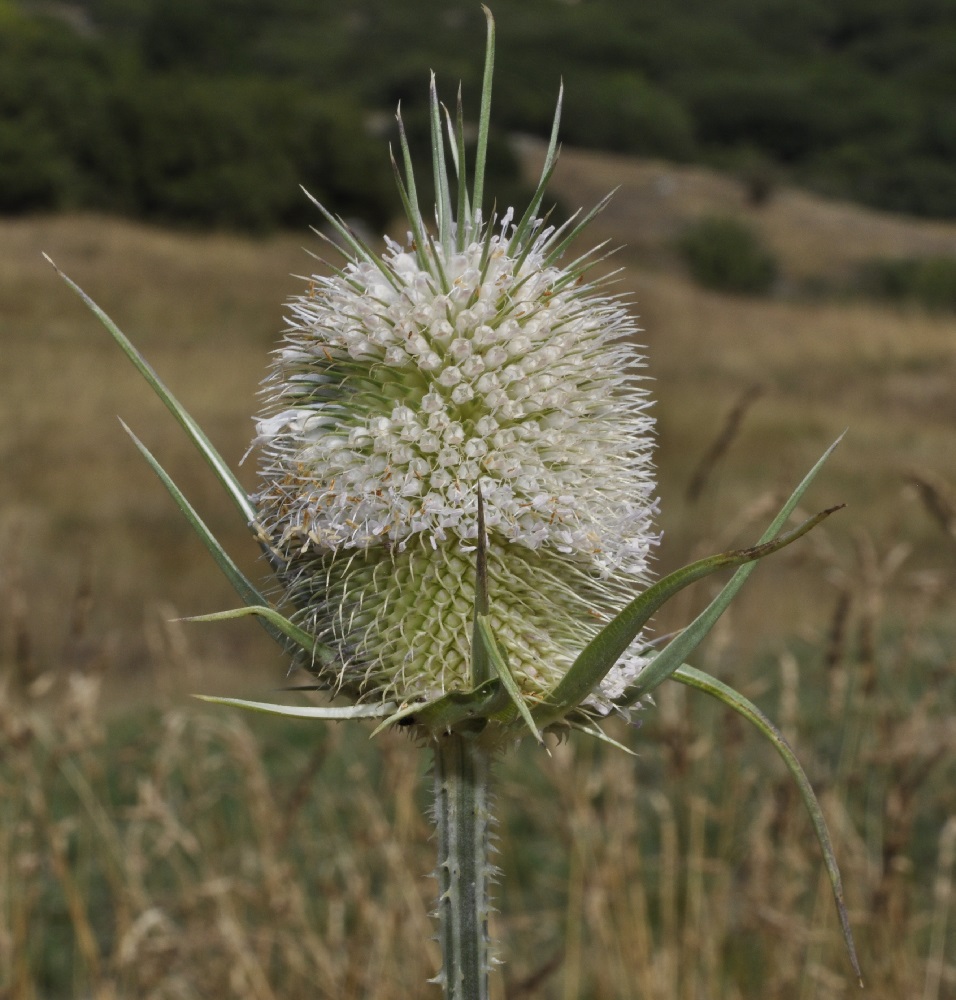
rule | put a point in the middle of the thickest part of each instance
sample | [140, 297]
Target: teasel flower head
[457, 492]
[457, 497]
[466, 389]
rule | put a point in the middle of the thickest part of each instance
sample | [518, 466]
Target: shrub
[99, 131]
[772, 112]
[33, 174]
[208, 153]
[623, 112]
[54, 119]
[926, 281]
[726, 255]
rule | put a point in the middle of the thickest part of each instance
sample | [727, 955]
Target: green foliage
[51, 121]
[98, 131]
[852, 99]
[918, 185]
[929, 282]
[212, 36]
[32, 170]
[233, 153]
[724, 254]
[623, 112]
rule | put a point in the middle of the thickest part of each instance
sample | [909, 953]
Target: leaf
[480, 666]
[722, 692]
[456, 142]
[233, 574]
[556, 252]
[604, 650]
[664, 664]
[452, 709]
[328, 712]
[687, 641]
[550, 162]
[499, 661]
[357, 249]
[408, 192]
[440, 169]
[196, 434]
[299, 636]
[484, 116]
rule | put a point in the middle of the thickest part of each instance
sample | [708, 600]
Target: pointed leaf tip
[195, 433]
[733, 699]
[499, 661]
[329, 713]
[484, 116]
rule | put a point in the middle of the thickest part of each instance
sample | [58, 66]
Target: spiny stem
[462, 819]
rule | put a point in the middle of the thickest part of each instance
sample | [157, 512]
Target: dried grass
[189, 852]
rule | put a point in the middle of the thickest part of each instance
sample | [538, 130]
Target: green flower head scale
[465, 366]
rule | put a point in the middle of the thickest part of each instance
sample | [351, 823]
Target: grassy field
[150, 848]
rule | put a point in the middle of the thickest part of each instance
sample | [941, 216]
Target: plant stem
[462, 819]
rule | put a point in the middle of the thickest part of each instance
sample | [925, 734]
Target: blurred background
[211, 112]
[786, 213]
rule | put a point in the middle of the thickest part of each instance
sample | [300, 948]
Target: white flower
[409, 383]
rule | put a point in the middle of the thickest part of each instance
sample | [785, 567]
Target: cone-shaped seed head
[407, 384]
[399, 392]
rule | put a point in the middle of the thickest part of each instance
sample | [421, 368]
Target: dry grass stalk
[936, 965]
[207, 899]
[721, 443]
[938, 498]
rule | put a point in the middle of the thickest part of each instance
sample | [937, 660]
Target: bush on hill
[80, 128]
[929, 282]
[622, 112]
[724, 254]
